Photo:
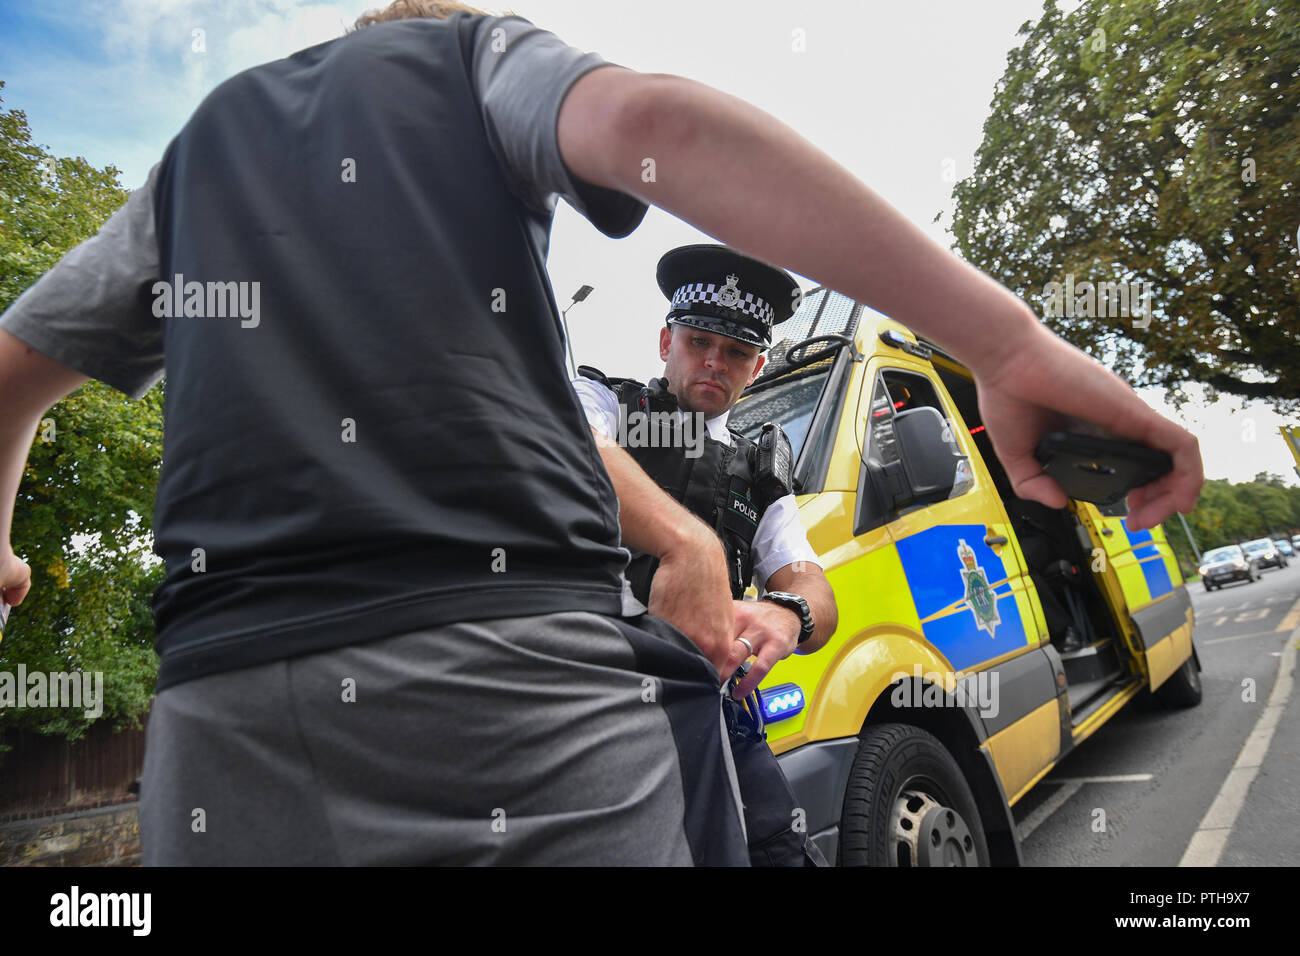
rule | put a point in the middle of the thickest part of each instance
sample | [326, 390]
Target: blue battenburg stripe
[1136, 537]
[934, 574]
[1149, 560]
[1153, 569]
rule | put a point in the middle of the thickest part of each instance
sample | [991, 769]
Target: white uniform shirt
[780, 538]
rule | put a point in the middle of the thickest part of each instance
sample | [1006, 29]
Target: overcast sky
[897, 92]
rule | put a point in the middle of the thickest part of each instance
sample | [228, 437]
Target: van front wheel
[907, 804]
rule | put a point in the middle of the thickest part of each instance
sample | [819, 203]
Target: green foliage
[47, 204]
[1157, 141]
[1231, 514]
[92, 469]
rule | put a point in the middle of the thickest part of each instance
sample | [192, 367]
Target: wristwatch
[797, 604]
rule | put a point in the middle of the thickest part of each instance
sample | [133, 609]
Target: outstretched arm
[744, 177]
[30, 383]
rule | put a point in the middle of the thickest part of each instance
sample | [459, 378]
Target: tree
[92, 469]
[1230, 514]
[47, 205]
[1151, 141]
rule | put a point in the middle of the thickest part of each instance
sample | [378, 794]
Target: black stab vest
[718, 486]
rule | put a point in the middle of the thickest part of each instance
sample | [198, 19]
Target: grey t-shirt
[91, 311]
[392, 443]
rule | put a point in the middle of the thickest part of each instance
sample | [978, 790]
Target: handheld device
[1100, 470]
[4, 617]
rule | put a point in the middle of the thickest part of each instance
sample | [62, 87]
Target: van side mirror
[929, 454]
[927, 466]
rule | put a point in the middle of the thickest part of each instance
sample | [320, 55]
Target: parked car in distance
[1284, 546]
[1295, 541]
[1265, 552]
[1228, 563]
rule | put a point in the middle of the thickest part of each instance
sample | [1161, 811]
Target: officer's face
[706, 372]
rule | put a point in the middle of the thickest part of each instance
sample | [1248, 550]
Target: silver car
[1265, 553]
[1226, 564]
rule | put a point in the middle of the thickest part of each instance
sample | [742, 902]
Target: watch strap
[800, 607]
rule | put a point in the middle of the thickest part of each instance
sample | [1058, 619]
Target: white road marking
[1211, 837]
[1238, 637]
[1069, 787]
[1045, 810]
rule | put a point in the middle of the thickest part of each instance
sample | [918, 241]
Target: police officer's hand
[773, 631]
[691, 591]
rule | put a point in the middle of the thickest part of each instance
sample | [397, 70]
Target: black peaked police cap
[717, 289]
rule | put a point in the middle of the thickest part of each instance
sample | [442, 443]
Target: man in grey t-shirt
[556, 731]
[344, 682]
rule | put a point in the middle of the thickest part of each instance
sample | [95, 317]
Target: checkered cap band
[749, 303]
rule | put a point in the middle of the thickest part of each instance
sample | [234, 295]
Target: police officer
[723, 308]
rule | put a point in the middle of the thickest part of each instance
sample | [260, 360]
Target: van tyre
[1183, 689]
[907, 804]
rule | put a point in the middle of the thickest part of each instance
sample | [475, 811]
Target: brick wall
[106, 835]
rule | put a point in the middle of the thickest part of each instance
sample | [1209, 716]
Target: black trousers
[772, 816]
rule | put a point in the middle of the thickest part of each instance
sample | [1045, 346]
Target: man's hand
[774, 632]
[15, 577]
[1045, 384]
[690, 591]
[774, 629]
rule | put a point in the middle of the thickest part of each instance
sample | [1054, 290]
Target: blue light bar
[895, 338]
[780, 702]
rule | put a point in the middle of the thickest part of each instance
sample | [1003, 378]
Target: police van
[981, 636]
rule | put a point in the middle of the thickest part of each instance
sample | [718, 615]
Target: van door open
[1140, 578]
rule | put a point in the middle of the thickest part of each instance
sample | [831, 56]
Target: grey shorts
[557, 739]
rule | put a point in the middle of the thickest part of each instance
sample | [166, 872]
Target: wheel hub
[926, 833]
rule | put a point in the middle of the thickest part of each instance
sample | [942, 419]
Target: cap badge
[729, 295]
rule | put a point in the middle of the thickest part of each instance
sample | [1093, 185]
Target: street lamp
[578, 296]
